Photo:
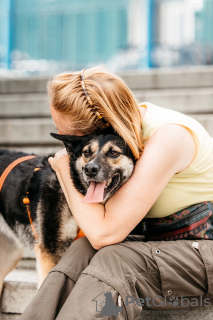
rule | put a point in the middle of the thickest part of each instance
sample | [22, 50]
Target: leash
[26, 199]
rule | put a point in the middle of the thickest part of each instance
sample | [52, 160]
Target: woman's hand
[60, 156]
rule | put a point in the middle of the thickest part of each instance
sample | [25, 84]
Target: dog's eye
[87, 153]
[114, 154]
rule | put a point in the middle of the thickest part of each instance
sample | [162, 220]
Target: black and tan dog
[99, 165]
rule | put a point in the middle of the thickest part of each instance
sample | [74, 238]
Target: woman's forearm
[90, 217]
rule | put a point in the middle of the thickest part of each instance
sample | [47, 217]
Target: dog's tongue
[95, 192]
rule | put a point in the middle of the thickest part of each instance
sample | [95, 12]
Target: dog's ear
[70, 142]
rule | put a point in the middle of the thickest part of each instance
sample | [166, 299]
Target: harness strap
[26, 199]
[80, 234]
[11, 166]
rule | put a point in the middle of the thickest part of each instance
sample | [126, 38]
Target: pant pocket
[181, 268]
[205, 248]
[121, 289]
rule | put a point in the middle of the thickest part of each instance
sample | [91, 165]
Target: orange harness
[26, 199]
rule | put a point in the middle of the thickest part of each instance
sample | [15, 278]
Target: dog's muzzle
[91, 170]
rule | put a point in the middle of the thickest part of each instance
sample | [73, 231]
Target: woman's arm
[170, 150]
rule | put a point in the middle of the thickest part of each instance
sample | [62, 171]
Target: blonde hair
[111, 98]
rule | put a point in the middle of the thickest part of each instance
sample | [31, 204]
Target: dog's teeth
[108, 182]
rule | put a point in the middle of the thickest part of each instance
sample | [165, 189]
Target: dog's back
[16, 186]
[48, 207]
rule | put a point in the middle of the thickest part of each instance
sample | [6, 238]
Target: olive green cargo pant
[119, 281]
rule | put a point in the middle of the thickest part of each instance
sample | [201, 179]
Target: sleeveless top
[195, 183]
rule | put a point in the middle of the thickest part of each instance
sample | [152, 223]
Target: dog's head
[99, 163]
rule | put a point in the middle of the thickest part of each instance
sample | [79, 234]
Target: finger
[50, 160]
[61, 153]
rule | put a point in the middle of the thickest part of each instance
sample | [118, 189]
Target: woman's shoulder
[156, 117]
[175, 142]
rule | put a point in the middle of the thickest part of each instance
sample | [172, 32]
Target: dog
[100, 164]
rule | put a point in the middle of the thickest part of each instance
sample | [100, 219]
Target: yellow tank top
[192, 185]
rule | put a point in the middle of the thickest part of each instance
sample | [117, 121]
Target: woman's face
[63, 124]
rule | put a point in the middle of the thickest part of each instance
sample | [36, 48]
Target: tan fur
[109, 145]
[68, 227]
[44, 263]
[94, 147]
[80, 164]
[126, 164]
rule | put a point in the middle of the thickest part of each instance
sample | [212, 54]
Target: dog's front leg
[11, 252]
[45, 263]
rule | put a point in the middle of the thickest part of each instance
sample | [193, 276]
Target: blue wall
[75, 32]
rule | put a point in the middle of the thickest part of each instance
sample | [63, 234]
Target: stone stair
[19, 289]
[20, 286]
[25, 121]
[25, 124]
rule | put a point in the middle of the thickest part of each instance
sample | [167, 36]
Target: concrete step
[186, 100]
[27, 131]
[190, 314]
[43, 150]
[201, 313]
[164, 78]
[29, 253]
[24, 105]
[20, 286]
[28, 260]
[199, 100]
[181, 77]
[36, 132]
[26, 264]
[23, 85]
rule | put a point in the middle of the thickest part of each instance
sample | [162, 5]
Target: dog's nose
[91, 169]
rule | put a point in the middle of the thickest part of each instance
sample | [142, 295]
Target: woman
[174, 171]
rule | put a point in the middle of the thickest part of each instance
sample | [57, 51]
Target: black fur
[47, 201]
[42, 186]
